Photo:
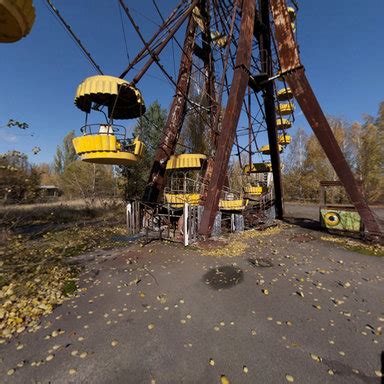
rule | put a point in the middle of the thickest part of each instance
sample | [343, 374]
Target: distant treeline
[363, 146]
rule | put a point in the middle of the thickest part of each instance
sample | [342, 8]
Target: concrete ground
[292, 308]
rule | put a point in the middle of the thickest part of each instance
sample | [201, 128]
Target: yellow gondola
[284, 139]
[233, 205]
[257, 168]
[186, 160]
[265, 150]
[102, 148]
[16, 19]
[123, 100]
[217, 38]
[255, 191]
[183, 179]
[285, 109]
[285, 94]
[177, 200]
[108, 143]
[282, 124]
[292, 13]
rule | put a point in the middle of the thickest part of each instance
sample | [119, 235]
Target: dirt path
[292, 306]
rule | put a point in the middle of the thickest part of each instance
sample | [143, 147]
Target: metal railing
[119, 131]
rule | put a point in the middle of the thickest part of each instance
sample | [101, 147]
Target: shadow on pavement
[304, 223]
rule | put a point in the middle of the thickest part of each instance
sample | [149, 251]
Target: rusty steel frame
[231, 117]
[303, 93]
[163, 44]
[146, 45]
[161, 29]
[269, 105]
[175, 119]
[209, 66]
[215, 127]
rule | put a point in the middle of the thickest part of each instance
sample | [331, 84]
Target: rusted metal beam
[146, 45]
[298, 82]
[269, 105]
[209, 67]
[175, 119]
[231, 117]
[219, 98]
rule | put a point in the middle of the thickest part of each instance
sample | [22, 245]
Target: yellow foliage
[34, 279]
[358, 246]
[236, 244]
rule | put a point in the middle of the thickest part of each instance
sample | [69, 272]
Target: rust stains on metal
[175, 119]
[269, 106]
[285, 38]
[231, 117]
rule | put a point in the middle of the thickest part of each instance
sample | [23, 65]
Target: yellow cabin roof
[266, 151]
[232, 205]
[177, 200]
[104, 90]
[257, 168]
[16, 19]
[187, 160]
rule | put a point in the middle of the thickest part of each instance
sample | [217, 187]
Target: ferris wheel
[241, 74]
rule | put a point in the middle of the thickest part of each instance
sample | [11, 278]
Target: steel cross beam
[175, 119]
[143, 51]
[302, 90]
[269, 105]
[163, 44]
[231, 117]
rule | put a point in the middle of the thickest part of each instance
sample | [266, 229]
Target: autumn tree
[363, 148]
[91, 182]
[149, 128]
[47, 174]
[195, 135]
[367, 148]
[306, 164]
[293, 166]
[19, 181]
[65, 154]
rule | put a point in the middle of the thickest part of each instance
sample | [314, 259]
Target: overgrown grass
[16, 216]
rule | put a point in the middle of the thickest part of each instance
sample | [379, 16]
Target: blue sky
[340, 41]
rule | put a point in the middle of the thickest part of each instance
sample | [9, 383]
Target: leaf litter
[236, 245]
[35, 276]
